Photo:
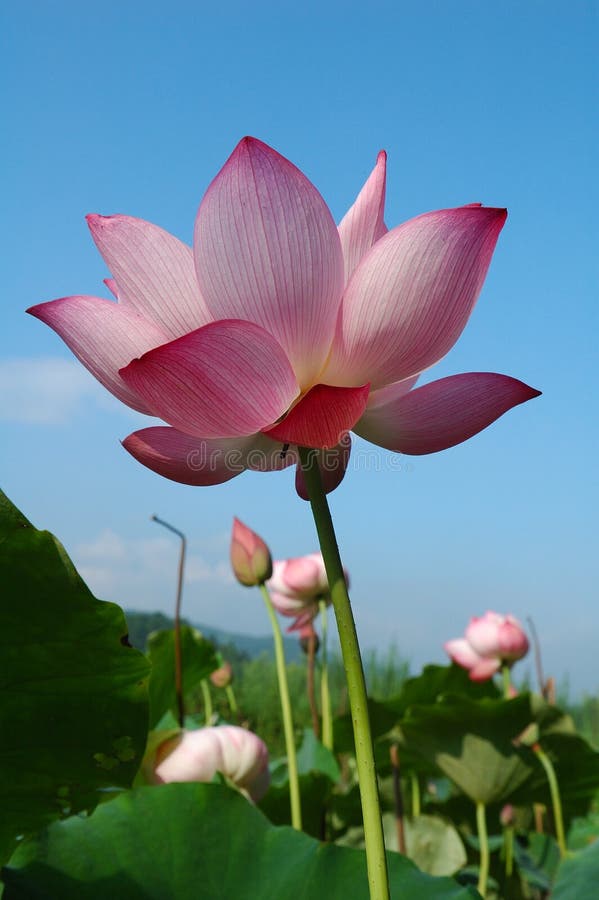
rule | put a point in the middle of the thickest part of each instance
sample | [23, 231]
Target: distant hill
[248, 646]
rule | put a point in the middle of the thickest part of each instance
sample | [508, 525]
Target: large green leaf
[432, 842]
[199, 660]
[197, 842]
[471, 742]
[313, 756]
[73, 694]
[578, 876]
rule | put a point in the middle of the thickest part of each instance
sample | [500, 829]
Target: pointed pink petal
[443, 413]
[104, 336]
[153, 272]
[111, 285]
[460, 651]
[227, 379]
[333, 465]
[267, 251]
[410, 298]
[363, 224]
[188, 460]
[322, 417]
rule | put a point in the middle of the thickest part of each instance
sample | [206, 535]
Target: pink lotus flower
[297, 586]
[489, 642]
[278, 328]
[250, 556]
[198, 755]
[223, 676]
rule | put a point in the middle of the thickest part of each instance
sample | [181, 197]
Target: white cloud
[43, 390]
[52, 390]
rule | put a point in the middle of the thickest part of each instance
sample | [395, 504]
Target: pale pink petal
[363, 224]
[484, 669]
[305, 619]
[322, 417]
[410, 298]
[306, 575]
[226, 379]
[390, 393]
[290, 605]
[153, 272]
[333, 465]
[104, 336]
[461, 652]
[267, 250]
[443, 413]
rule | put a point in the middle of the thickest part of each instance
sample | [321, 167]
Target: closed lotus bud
[506, 816]
[198, 755]
[223, 676]
[307, 636]
[250, 556]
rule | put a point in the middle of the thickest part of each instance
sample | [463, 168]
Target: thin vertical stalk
[232, 701]
[294, 793]
[208, 711]
[507, 681]
[310, 684]
[555, 798]
[483, 842]
[325, 694]
[371, 812]
[508, 844]
[415, 785]
[177, 621]
[398, 800]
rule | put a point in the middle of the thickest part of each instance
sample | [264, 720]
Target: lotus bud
[198, 755]
[223, 676]
[250, 556]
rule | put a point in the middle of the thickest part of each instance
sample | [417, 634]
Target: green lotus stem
[415, 786]
[231, 699]
[207, 700]
[555, 799]
[508, 844]
[325, 694]
[376, 860]
[507, 682]
[294, 792]
[483, 842]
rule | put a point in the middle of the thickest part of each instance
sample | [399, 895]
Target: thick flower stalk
[490, 642]
[277, 329]
[198, 755]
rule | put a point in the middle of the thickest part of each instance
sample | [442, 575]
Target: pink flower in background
[297, 586]
[198, 755]
[223, 676]
[250, 556]
[489, 642]
[278, 328]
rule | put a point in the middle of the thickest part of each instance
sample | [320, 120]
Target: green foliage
[199, 660]
[73, 694]
[223, 846]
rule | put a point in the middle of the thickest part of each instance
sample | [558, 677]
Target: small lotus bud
[222, 677]
[506, 816]
[250, 557]
[307, 637]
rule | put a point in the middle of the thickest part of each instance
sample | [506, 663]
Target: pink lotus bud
[222, 677]
[307, 635]
[489, 642]
[198, 755]
[506, 815]
[250, 557]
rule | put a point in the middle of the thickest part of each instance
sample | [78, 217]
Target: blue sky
[133, 107]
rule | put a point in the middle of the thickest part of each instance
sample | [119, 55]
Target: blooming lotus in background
[223, 676]
[489, 642]
[297, 586]
[198, 755]
[278, 329]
